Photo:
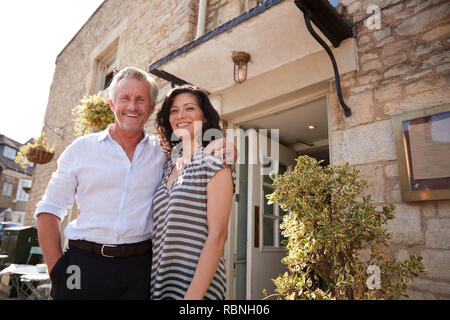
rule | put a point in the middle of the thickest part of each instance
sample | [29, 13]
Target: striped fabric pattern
[180, 229]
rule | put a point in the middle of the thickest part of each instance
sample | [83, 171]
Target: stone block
[368, 56]
[381, 34]
[373, 173]
[437, 33]
[361, 88]
[371, 65]
[425, 48]
[418, 101]
[443, 68]
[437, 234]
[419, 295]
[399, 69]
[395, 59]
[406, 227]
[423, 20]
[388, 93]
[437, 58]
[370, 77]
[421, 85]
[364, 144]
[385, 41]
[435, 287]
[437, 263]
[391, 170]
[429, 209]
[395, 47]
[362, 108]
[417, 75]
[443, 208]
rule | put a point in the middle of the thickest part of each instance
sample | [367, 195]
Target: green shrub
[334, 234]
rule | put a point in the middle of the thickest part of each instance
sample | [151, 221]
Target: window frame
[21, 195]
[10, 149]
[276, 217]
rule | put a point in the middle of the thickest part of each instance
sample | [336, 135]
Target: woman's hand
[220, 148]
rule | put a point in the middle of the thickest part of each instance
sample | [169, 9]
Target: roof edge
[79, 30]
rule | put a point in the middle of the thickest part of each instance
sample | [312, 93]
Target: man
[112, 175]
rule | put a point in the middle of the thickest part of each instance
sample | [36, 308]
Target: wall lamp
[240, 60]
[327, 19]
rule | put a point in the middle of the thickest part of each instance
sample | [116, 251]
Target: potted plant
[92, 114]
[37, 152]
[337, 241]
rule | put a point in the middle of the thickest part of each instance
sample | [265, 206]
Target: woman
[191, 206]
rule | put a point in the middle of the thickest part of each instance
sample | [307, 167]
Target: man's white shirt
[114, 195]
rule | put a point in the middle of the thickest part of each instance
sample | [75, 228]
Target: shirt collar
[105, 134]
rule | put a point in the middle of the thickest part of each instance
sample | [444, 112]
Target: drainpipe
[201, 23]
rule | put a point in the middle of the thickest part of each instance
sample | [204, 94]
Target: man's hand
[49, 233]
[222, 148]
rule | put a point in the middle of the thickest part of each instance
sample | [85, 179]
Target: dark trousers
[79, 274]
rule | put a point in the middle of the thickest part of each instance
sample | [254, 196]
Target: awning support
[347, 111]
[336, 30]
[168, 77]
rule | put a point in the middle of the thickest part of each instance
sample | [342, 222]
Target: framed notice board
[422, 140]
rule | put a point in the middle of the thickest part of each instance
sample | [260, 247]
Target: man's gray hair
[134, 73]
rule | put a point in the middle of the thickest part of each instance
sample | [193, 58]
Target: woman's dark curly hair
[164, 129]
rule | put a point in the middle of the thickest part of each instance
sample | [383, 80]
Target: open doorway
[299, 130]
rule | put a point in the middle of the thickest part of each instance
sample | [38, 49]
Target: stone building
[397, 61]
[13, 180]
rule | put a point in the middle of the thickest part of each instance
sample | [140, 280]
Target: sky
[32, 34]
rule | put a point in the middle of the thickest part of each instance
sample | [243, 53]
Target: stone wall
[222, 11]
[404, 65]
[146, 31]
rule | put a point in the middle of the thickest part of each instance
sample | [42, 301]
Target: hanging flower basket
[37, 152]
[38, 155]
[93, 114]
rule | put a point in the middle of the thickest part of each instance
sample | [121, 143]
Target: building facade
[13, 180]
[397, 61]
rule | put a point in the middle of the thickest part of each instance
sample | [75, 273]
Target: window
[105, 67]
[7, 189]
[18, 217]
[21, 194]
[9, 152]
[272, 214]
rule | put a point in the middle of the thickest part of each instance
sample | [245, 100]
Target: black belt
[112, 250]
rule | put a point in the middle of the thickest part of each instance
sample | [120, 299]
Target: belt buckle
[107, 245]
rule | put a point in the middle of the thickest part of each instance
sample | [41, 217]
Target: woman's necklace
[182, 161]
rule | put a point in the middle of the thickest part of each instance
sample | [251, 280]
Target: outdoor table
[28, 280]
[22, 278]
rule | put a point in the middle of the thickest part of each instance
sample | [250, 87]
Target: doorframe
[313, 93]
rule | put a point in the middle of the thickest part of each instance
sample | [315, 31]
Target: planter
[37, 155]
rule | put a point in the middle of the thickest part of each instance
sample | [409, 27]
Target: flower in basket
[38, 152]
[92, 114]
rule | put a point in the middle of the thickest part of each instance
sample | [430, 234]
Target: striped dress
[180, 229]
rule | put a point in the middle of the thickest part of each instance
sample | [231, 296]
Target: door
[264, 248]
